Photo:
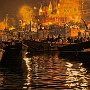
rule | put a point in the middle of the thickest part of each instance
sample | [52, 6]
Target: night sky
[11, 7]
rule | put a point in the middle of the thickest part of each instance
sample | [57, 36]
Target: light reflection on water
[76, 76]
[47, 72]
[51, 72]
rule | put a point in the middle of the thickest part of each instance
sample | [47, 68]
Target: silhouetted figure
[88, 38]
[59, 37]
[48, 38]
[52, 39]
[81, 39]
[69, 39]
[31, 38]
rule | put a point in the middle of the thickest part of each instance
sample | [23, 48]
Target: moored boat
[12, 56]
[1, 53]
[76, 51]
[37, 46]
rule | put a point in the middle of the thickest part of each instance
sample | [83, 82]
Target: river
[47, 71]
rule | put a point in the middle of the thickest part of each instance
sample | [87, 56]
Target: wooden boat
[36, 46]
[1, 53]
[76, 51]
[75, 46]
[12, 56]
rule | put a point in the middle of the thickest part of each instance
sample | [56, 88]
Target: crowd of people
[68, 39]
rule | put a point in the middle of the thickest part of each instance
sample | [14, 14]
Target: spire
[41, 10]
[6, 21]
[58, 7]
[50, 8]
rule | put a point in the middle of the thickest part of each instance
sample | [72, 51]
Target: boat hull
[36, 46]
[12, 56]
[76, 51]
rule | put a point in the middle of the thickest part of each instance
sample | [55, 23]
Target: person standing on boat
[59, 37]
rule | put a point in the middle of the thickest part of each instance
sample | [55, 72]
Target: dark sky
[11, 7]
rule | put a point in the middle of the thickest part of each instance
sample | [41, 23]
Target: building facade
[61, 11]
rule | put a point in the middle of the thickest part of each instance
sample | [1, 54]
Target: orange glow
[74, 32]
[65, 11]
[26, 14]
[2, 25]
[11, 28]
[89, 25]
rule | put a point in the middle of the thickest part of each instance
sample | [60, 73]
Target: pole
[30, 25]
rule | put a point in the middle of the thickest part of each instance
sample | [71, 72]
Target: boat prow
[12, 56]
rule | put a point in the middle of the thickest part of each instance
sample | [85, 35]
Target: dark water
[47, 72]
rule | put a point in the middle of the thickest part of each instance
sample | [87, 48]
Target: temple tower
[41, 10]
[50, 8]
[58, 8]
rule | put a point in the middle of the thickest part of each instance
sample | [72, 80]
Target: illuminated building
[86, 10]
[4, 23]
[41, 10]
[50, 8]
[62, 11]
[74, 32]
